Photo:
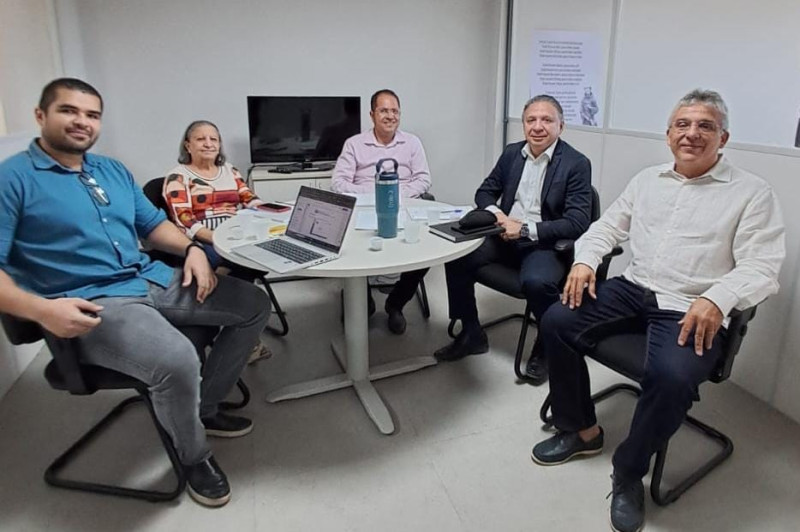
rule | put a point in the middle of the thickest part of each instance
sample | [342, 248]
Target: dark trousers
[405, 288]
[672, 373]
[541, 272]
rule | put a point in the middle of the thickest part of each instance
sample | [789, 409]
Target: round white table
[354, 265]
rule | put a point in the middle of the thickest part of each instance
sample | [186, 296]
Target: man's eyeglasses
[99, 195]
[383, 111]
[705, 127]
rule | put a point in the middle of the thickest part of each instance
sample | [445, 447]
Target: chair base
[659, 495]
[527, 321]
[52, 478]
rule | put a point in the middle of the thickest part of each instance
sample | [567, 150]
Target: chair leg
[523, 335]
[660, 497]
[284, 330]
[52, 478]
[245, 391]
[422, 297]
[670, 496]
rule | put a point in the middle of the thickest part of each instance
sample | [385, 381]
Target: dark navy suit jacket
[566, 192]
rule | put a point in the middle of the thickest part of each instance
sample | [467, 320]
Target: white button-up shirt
[527, 205]
[719, 236]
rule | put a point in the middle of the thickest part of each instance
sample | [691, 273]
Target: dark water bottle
[387, 199]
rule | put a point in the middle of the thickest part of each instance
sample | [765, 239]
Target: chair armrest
[737, 329]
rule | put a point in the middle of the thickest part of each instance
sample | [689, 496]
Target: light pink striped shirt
[355, 168]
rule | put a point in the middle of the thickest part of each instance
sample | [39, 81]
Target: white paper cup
[433, 216]
[236, 233]
[376, 243]
[411, 231]
[247, 221]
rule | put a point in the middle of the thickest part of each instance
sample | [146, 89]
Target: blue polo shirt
[57, 240]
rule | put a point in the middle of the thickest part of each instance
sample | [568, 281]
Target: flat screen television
[301, 129]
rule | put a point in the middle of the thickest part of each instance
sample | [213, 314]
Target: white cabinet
[271, 186]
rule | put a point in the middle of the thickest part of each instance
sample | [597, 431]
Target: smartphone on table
[273, 207]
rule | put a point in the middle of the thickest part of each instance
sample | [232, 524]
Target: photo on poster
[568, 66]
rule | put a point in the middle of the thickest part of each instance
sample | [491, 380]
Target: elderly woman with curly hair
[203, 191]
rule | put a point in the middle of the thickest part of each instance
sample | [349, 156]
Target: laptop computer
[314, 235]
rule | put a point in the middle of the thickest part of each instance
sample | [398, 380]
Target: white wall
[183, 60]
[28, 59]
[13, 359]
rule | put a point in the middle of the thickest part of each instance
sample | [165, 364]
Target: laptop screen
[320, 217]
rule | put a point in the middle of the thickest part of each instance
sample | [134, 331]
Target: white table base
[355, 362]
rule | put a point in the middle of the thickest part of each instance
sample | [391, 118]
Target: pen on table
[453, 211]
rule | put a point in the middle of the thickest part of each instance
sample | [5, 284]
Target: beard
[68, 145]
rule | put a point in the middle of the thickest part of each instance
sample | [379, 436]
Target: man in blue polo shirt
[70, 225]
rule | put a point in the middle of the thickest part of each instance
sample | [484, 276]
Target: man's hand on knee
[68, 317]
[580, 278]
[197, 268]
[705, 318]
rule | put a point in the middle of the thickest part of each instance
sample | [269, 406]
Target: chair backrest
[595, 205]
[153, 190]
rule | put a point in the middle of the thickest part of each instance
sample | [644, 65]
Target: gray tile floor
[459, 460]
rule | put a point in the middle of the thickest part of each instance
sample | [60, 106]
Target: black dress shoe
[565, 446]
[396, 321]
[207, 483]
[463, 345]
[227, 426]
[627, 504]
[536, 368]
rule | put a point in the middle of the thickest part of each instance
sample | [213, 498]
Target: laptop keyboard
[290, 251]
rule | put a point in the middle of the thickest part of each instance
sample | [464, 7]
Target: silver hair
[708, 98]
[184, 157]
[545, 98]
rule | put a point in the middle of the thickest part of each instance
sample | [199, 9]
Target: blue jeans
[138, 337]
[672, 374]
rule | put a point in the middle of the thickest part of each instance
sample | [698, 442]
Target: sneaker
[627, 504]
[564, 446]
[259, 352]
[207, 483]
[227, 426]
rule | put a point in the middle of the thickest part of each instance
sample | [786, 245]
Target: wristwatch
[524, 231]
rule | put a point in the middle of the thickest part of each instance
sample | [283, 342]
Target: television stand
[271, 184]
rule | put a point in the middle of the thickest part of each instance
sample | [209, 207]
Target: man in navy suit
[540, 191]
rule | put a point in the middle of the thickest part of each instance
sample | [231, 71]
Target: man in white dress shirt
[706, 237]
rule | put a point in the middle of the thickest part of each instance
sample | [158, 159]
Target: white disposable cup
[248, 222]
[376, 243]
[236, 233]
[412, 231]
[261, 227]
[433, 216]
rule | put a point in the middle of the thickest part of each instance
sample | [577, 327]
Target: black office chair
[66, 372]
[153, 191]
[506, 279]
[625, 354]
